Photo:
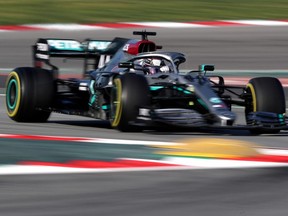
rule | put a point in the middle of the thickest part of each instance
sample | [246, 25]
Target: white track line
[175, 162]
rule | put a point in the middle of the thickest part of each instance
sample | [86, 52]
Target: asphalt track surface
[186, 192]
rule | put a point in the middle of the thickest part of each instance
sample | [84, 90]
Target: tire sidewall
[13, 81]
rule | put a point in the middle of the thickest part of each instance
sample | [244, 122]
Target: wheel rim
[13, 94]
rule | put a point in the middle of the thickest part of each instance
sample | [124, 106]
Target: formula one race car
[132, 84]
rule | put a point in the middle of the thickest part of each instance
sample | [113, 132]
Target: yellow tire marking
[249, 85]
[118, 111]
[15, 111]
[211, 147]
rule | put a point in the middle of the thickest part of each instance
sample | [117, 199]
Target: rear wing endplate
[45, 48]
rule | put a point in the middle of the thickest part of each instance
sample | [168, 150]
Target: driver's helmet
[154, 65]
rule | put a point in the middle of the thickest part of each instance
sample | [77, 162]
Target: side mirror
[205, 67]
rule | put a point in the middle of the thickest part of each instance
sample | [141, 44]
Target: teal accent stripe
[105, 107]
[91, 86]
[155, 88]
[202, 103]
[182, 90]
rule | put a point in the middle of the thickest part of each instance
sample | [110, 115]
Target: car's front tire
[130, 92]
[267, 95]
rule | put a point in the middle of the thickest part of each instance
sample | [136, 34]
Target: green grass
[95, 11]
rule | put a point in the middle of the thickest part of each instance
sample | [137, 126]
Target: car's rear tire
[29, 94]
[130, 92]
[267, 95]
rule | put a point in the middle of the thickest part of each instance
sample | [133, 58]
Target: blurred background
[92, 11]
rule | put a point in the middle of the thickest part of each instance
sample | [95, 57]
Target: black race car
[132, 83]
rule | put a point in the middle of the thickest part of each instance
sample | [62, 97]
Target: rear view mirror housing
[205, 67]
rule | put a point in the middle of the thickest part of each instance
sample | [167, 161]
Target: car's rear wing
[94, 52]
